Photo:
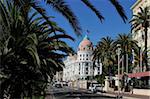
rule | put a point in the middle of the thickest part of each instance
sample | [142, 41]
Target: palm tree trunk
[146, 57]
[125, 59]
[126, 63]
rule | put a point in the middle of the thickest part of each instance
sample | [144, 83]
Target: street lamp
[118, 51]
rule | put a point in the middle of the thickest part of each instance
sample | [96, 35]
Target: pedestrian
[131, 86]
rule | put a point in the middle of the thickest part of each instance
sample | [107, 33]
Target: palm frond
[65, 10]
[89, 4]
[119, 9]
[60, 36]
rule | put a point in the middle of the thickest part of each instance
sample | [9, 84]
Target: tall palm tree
[104, 53]
[29, 50]
[127, 45]
[142, 19]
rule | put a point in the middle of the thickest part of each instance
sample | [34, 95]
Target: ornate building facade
[139, 71]
[80, 66]
[138, 33]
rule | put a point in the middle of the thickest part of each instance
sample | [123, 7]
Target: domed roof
[85, 44]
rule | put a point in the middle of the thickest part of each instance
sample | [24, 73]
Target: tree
[103, 53]
[142, 19]
[30, 51]
[127, 45]
[100, 79]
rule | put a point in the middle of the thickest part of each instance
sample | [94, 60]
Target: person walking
[131, 86]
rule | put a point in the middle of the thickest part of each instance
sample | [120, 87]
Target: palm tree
[142, 19]
[104, 53]
[127, 45]
[29, 51]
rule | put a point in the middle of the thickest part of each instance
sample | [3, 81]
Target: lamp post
[118, 51]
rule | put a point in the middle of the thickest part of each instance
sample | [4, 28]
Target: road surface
[68, 93]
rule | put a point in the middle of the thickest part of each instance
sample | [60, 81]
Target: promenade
[126, 95]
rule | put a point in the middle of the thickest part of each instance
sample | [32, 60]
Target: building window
[86, 58]
[86, 64]
[79, 68]
[79, 72]
[83, 55]
[98, 68]
[86, 70]
[86, 55]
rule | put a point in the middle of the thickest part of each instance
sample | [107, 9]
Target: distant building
[80, 66]
[139, 34]
[58, 76]
[139, 71]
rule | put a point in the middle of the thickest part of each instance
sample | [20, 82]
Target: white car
[92, 88]
[99, 88]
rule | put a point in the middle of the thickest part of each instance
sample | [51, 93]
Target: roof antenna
[88, 32]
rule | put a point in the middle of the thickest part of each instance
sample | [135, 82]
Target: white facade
[139, 35]
[80, 65]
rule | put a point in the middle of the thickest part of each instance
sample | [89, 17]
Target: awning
[140, 74]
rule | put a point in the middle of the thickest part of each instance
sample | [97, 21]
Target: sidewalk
[126, 95]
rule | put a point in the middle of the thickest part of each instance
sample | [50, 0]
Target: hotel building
[80, 66]
[138, 35]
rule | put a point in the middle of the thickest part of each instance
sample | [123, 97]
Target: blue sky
[111, 26]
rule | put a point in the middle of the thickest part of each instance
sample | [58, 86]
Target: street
[68, 93]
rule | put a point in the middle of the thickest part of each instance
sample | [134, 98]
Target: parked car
[99, 88]
[92, 88]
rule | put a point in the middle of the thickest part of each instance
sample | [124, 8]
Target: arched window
[86, 70]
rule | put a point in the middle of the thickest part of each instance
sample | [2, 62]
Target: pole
[118, 72]
[126, 63]
[133, 58]
[122, 64]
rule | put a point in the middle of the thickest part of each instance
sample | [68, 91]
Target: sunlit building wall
[80, 66]
[139, 35]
